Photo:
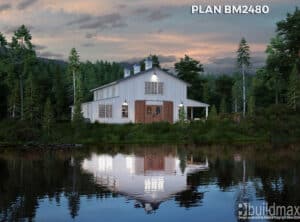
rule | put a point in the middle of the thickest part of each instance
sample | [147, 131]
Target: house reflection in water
[150, 178]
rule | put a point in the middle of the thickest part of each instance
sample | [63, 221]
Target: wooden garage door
[140, 111]
[168, 111]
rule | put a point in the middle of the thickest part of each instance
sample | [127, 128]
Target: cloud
[166, 59]
[151, 15]
[121, 6]
[256, 60]
[228, 65]
[161, 59]
[82, 19]
[113, 20]
[5, 7]
[88, 44]
[40, 47]
[50, 55]
[25, 4]
[140, 11]
[12, 29]
[157, 15]
[90, 35]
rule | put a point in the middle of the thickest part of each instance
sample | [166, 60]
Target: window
[154, 87]
[158, 110]
[105, 111]
[149, 110]
[124, 111]
[160, 88]
[101, 111]
[108, 111]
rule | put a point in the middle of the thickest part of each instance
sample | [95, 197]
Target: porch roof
[194, 103]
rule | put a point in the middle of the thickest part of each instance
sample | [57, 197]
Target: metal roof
[138, 74]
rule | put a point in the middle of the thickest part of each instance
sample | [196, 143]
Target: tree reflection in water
[28, 177]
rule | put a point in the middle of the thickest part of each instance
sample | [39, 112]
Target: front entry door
[154, 113]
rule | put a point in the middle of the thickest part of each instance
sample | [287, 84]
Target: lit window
[154, 88]
[154, 184]
[149, 110]
[158, 110]
[124, 111]
[160, 88]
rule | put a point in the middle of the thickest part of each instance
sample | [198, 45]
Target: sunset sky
[116, 30]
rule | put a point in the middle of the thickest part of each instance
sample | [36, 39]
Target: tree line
[275, 83]
[41, 91]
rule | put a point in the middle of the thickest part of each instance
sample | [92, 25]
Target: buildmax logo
[268, 212]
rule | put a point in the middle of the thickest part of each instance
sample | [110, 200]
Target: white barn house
[146, 96]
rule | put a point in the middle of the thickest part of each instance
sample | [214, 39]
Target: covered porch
[195, 110]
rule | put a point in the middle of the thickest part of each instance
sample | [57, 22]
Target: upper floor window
[154, 87]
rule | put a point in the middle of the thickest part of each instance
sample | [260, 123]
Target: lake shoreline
[77, 146]
[274, 126]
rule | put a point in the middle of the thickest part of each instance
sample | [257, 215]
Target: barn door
[168, 111]
[154, 113]
[140, 111]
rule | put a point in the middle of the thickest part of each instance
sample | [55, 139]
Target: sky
[116, 30]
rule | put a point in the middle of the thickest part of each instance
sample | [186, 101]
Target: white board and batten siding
[131, 89]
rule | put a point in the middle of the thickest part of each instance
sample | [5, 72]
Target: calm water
[166, 183]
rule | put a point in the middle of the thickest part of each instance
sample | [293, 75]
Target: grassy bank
[274, 125]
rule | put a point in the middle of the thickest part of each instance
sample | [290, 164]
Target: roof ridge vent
[126, 72]
[136, 68]
[148, 63]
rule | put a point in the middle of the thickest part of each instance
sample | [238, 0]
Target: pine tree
[181, 114]
[293, 89]
[213, 115]
[32, 109]
[22, 57]
[236, 93]
[206, 93]
[74, 65]
[188, 69]
[251, 105]
[251, 100]
[223, 108]
[48, 117]
[77, 115]
[243, 60]
[59, 92]
[13, 98]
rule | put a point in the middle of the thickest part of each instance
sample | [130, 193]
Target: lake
[147, 183]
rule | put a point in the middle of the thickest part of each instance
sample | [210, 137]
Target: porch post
[192, 113]
[206, 112]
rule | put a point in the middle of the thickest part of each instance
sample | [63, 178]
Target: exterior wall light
[125, 103]
[154, 77]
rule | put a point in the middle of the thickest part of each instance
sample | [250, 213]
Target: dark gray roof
[138, 74]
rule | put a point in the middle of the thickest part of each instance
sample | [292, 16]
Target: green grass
[274, 125]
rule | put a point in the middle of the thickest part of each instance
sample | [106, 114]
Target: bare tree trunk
[276, 93]
[235, 105]
[295, 101]
[74, 88]
[21, 97]
[244, 171]
[14, 111]
[244, 91]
